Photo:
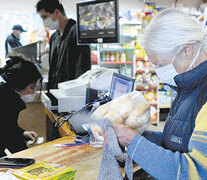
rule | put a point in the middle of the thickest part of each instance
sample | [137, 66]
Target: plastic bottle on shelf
[117, 57]
[113, 57]
[107, 56]
[109, 59]
[123, 57]
[103, 56]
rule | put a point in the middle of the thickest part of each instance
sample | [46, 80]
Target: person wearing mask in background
[13, 40]
[21, 79]
[176, 46]
[67, 59]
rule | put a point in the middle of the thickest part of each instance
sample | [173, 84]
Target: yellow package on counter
[45, 171]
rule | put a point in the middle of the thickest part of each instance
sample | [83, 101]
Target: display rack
[121, 56]
[118, 58]
[147, 82]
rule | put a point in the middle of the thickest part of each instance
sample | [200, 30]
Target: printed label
[176, 139]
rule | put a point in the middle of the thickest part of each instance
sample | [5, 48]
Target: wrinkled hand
[124, 134]
[103, 133]
[31, 135]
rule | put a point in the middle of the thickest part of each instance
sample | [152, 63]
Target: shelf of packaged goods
[111, 62]
[115, 63]
[116, 49]
[129, 36]
[153, 104]
[144, 71]
[140, 88]
[167, 106]
[140, 59]
[128, 23]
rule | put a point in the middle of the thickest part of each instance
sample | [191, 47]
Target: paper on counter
[40, 140]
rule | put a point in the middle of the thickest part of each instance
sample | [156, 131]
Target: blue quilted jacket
[168, 154]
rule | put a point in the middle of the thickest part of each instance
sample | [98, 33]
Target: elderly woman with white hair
[176, 46]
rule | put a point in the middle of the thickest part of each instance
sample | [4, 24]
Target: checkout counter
[84, 158]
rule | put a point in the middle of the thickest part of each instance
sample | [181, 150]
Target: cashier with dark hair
[21, 78]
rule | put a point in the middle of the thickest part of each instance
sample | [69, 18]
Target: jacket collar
[70, 23]
[15, 36]
[191, 79]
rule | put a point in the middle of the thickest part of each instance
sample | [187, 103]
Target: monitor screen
[97, 22]
[120, 85]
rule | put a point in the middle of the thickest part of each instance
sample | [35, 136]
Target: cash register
[71, 95]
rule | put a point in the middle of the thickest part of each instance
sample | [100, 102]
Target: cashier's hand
[124, 134]
[31, 135]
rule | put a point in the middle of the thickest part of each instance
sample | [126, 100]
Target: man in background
[13, 40]
[67, 59]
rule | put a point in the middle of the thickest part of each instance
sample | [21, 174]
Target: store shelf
[153, 104]
[167, 106]
[144, 71]
[123, 22]
[117, 63]
[140, 59]
[140, 88]
[117, 49]
[128, 36]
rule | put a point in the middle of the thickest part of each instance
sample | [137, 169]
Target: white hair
[169, 31]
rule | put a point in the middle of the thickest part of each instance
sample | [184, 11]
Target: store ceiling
[70, 5]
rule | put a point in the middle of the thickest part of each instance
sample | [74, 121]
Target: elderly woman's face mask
[167, 73]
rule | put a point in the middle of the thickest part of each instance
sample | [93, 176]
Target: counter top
[85, 159]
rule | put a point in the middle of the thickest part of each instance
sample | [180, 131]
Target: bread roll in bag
[131, 109]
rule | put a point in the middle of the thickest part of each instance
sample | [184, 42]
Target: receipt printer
[71, 95]
[56, 100]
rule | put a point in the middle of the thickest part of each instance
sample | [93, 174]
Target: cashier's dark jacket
[67, 59]
[11, 135]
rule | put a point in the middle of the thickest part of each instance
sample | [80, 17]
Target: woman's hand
[124, 134]
[31, 135]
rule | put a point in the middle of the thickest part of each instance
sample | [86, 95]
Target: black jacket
[12, 42]
[67, 59]
[11, 135]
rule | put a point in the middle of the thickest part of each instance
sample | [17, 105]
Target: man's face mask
[52, 25]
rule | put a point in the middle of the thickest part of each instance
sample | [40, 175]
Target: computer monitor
[120, 85]
[97, 22]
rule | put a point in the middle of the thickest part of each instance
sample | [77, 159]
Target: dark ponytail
[19, 73]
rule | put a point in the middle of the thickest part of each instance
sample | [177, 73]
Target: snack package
[45, 171]
[131, 109]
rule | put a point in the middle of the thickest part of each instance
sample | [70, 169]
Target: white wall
[186, 3]
[29, 5]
